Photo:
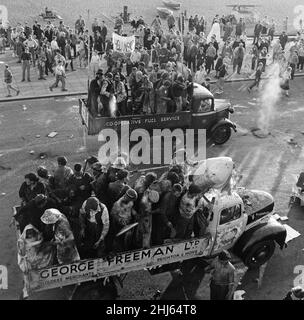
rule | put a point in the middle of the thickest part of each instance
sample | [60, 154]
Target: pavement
[76, 82]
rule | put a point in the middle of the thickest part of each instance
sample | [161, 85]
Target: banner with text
[123, 44]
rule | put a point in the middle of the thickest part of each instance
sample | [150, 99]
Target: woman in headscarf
[61, 235]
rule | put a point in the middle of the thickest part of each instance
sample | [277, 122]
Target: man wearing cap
[222, 278]
[94, 227]
[94, 103]
[80, 182]
[120, 94]
[107, 92]
[117, 188]
[164, 216]
[100, 183]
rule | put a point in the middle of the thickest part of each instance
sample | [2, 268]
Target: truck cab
[205, 112]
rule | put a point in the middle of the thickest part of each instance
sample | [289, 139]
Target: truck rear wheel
[221, 134]
[259, 254]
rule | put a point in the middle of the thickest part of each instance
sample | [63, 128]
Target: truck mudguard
[270, 230]
[222, 122]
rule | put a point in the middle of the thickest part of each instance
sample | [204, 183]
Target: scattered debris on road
[5, 168]
[291, 233]
[259, 133]
[42, 155]
[52, 134]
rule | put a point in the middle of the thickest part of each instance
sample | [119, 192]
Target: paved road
[266, 164]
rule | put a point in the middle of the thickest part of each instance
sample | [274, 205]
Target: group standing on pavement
[156, 46]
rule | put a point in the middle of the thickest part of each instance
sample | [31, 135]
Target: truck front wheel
[259, 254]
[221, 134]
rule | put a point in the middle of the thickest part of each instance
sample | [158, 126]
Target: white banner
[123, 44]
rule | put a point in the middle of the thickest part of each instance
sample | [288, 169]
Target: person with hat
[80, 182]
[89, 163]
[33, 210]
[94, 63]
[94, 102]
[148, 95]
[100, 182]
[164, 215]
[210, 57]
[8, 79]
[178, 91]
[187, 208]
[296, 293]
[62, 236]
[107, 92]
[117, 188]
[222, 278]
[122, 215]
[162, 97]
[94, 227]
[30, 188]
[120, 94]
[164, 54]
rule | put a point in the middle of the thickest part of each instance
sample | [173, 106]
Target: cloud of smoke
[269, 96]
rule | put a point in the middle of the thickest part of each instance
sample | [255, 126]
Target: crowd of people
[157, 76]
[81, 211]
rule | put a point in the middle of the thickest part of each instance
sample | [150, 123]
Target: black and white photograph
[152, 152]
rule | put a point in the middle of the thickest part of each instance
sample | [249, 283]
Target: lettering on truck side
[88, 270]
[67, 269]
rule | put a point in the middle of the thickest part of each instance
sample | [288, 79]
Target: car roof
[201, 92]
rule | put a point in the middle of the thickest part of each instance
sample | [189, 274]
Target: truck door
[203, 114]
[231, 225]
